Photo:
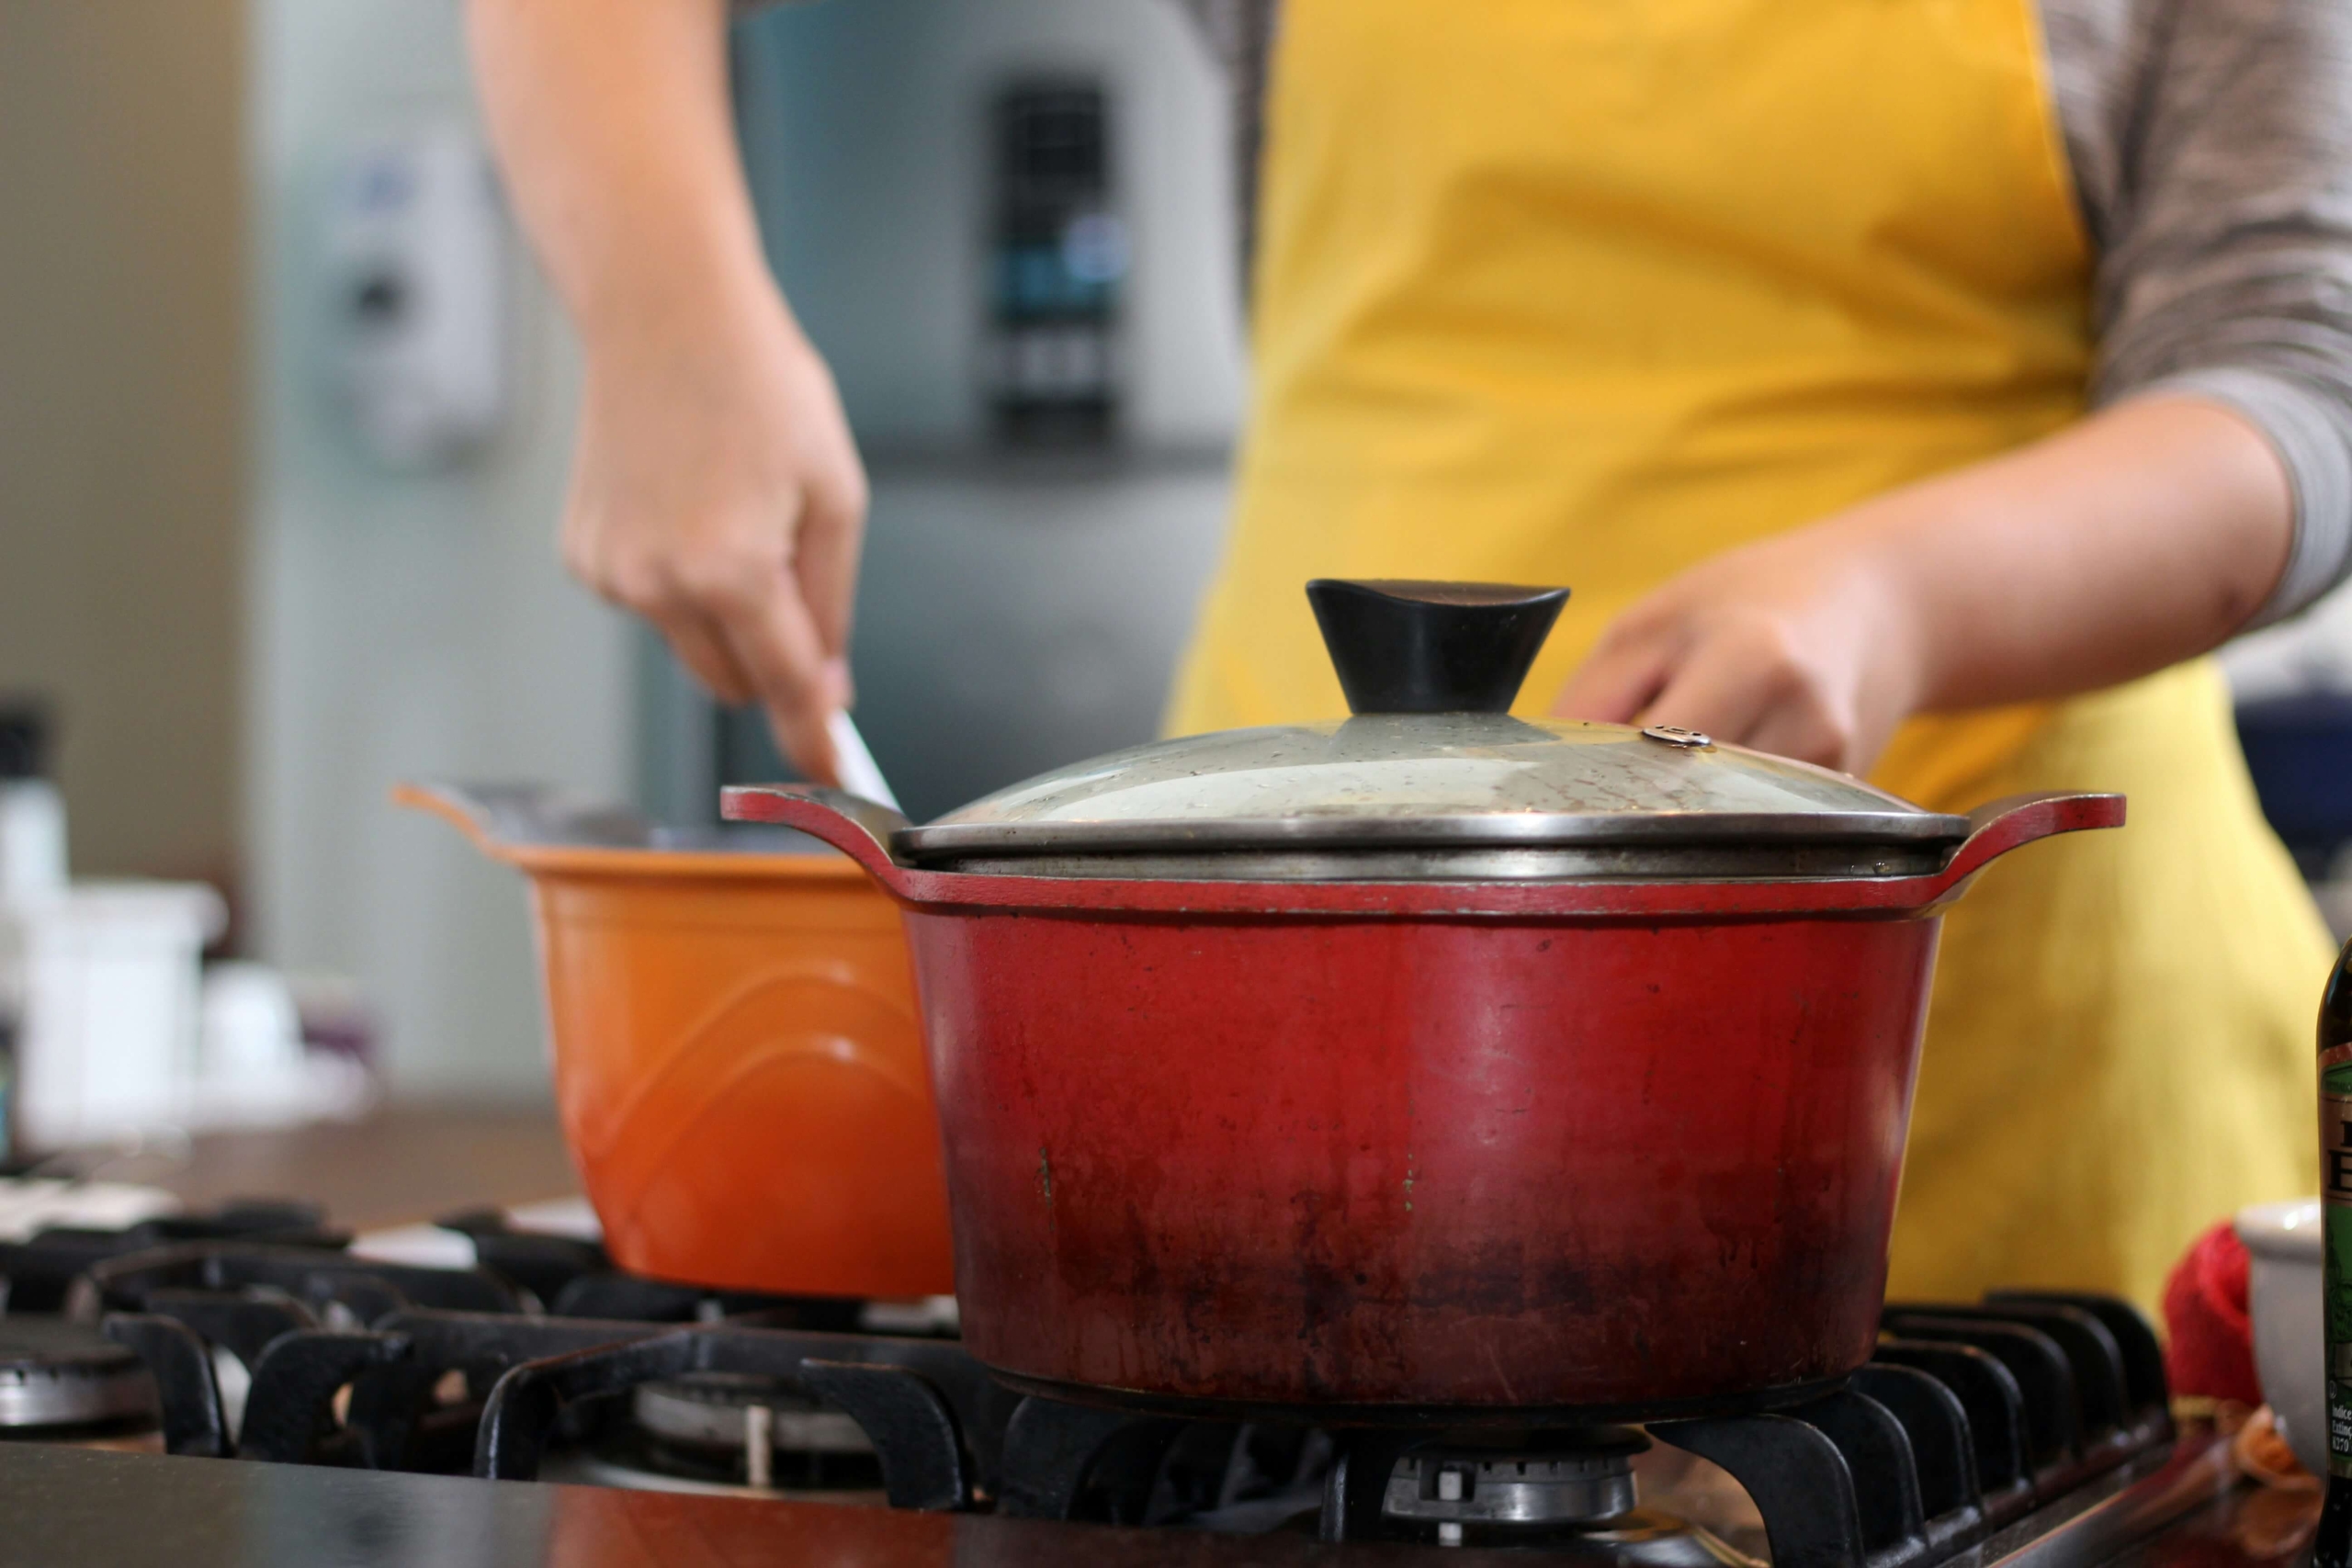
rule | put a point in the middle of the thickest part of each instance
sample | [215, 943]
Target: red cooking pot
[1434, 1058]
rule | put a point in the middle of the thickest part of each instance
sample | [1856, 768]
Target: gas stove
[286, 1394]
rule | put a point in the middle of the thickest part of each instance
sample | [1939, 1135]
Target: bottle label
[2335, 1190]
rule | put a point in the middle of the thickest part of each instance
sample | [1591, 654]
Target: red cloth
[2208, 1331]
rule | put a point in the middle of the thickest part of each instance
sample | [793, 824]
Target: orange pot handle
[468, 810]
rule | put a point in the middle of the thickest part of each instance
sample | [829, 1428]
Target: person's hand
[2143, 535]
[717, 493]
[1799, 645]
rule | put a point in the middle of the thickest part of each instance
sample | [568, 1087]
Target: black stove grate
[1969, 1418]
[37, 1274]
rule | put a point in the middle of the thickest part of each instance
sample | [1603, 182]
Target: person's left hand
[2140, 537]
[1799, 645]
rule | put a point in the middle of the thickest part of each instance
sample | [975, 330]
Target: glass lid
[1434, 777]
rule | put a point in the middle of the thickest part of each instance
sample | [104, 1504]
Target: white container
[252, 1032]
[30, 1205]
[109, 1043]
[32, 842]
[252, 1068]
[2282, 1241]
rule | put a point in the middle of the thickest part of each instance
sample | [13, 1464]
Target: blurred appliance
[1060, 257]
[415, 251]
[1013, 613]
[1020, 265]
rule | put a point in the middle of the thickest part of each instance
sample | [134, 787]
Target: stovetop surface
[75, 1506]
[2026, 1431]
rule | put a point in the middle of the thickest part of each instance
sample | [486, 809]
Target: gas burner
[745, 1429]
[1568, 1494]
[1549, 1478]
[61, 1380]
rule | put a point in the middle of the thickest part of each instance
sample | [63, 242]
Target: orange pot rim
[827, 865]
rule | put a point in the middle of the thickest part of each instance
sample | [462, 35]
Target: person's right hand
[717, 493]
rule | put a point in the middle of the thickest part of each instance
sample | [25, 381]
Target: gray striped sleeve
[2306, 422]
[2211, 142]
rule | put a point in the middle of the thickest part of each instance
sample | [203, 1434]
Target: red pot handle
[859, 827]
[1999, 826]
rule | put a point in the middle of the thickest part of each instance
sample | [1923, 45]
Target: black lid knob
[1432, 647]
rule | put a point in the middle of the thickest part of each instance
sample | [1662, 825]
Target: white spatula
[855, 763]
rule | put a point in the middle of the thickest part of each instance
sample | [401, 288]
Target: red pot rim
[1995, 829]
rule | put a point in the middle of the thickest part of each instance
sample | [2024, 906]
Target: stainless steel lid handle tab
[1401, 646]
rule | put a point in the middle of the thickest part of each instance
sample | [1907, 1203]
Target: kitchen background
[272, 536]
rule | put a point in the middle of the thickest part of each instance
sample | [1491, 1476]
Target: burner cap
[1551, 1478]
[56, 1373]
[710, 1409]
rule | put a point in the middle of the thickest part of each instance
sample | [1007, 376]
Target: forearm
[716, 489]
[2147, 533]
[611, 124]
[2143, 535]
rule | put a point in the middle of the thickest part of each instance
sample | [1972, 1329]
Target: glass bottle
[2333, 1545]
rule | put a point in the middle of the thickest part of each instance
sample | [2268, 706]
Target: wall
[403, 627]
[121, 352]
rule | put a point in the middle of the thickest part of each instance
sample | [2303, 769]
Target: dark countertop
[2249, 1526]
[401, 1164]
[77, 1506]
[74, 1507]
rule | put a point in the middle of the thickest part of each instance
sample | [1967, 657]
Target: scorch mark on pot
[1045, 1176]
[1410, 1179]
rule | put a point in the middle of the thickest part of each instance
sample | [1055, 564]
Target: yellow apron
[1586, 291]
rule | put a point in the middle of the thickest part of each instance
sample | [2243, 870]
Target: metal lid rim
[1661, 829]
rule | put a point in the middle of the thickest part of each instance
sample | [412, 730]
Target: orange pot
[739, 1062]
